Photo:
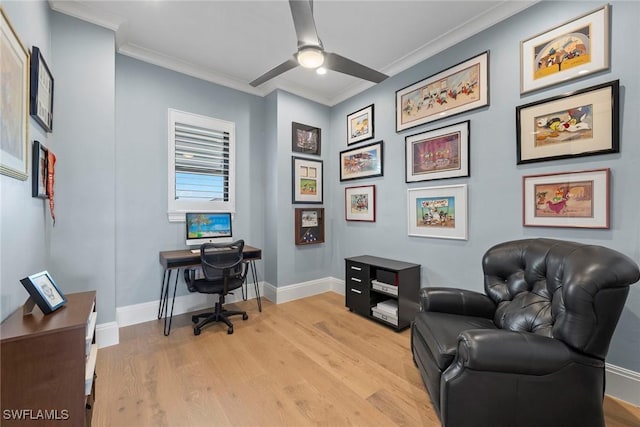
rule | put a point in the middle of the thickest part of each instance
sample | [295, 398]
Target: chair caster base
[196, 331]
[194, 319]
[230, 331]
[245, 316]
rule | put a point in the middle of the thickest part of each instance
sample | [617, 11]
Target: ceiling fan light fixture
[310, 57]
[321, 71]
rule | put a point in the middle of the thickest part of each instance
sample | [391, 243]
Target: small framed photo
[309, 226]
[39, 171]
[41, 105]
[567, 199]
[462, 87]
[439, 212]
[360, 125]
[306, 180]
[580, 123]
[438, 154]
[362, 162]
[571, 50]
[305, 139]
[360, 203]
[44, 291]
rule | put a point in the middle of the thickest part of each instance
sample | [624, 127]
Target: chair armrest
[457, 301]
[515, 352]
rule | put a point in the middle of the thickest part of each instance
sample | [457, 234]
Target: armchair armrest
[515, 352]
[457, 301]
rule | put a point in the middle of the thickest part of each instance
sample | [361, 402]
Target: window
[201, 164]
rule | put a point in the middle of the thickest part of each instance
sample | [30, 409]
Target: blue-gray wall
[495, 184]
[110, 137]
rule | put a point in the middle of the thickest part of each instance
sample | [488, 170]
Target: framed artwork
[439, 212]
[438, 153]
[305, 139]
[44, 292]
[567, 199]
[39, 171]
[361, 162]
[461, 88]
[14, 103]
[571, 50]
[309, 226]
[41, 105]
[307, 180]
[360, 203]
[360, 125]
[580, 123]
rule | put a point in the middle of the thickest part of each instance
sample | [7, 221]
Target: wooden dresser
[48, 365]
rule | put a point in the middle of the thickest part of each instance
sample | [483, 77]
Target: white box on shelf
[384, 287]
[383, 315]
[389, 306]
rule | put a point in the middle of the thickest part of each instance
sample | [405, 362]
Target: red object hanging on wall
[51, 161]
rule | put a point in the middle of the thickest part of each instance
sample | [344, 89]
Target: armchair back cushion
[564, 290]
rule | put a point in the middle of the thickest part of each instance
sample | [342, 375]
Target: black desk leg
[163, 290]
[167, 327]
[254, 274]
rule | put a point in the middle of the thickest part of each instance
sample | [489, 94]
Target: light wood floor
[306, 362]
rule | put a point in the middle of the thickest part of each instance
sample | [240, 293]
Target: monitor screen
[208, 227]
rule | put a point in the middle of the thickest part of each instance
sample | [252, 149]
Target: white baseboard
[107, 334]
[148, 311]
[623, 384]
[296, 291]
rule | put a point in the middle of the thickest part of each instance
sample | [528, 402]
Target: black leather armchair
[531, 352]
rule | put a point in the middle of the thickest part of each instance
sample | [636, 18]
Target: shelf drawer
[357, 273]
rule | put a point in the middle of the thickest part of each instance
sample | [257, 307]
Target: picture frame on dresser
[41, 104]
[460, 88]
[571, 50]
[44, 292]
[578, 199]
[584, 122]
[14, 120]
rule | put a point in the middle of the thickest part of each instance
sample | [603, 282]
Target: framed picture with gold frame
[574, 49]
[14, 120]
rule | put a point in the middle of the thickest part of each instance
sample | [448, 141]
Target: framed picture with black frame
[306, 180]
[44, 292]
[305, 139]
[39, 171]
[41, 104]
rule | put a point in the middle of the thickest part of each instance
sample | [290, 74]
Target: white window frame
[178, 208]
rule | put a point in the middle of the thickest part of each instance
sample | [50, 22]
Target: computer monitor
[208, 227]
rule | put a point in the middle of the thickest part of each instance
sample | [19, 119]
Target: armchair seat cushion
[440, 331]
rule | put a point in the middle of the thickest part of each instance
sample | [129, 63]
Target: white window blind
[201, 164]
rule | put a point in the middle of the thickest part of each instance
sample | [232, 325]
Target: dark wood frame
[306, 234]
[367, 136]
[37, 294]
[39, 170]
[36, 61]
[295, 127]
[612, 103]
[362, 148]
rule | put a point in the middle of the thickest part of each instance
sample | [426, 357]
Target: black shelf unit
[360, 297]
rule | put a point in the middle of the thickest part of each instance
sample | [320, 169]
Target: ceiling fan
[311, 53]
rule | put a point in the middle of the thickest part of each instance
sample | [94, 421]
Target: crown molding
[85, 12]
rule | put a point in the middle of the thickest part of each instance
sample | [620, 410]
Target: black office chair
[224, 271]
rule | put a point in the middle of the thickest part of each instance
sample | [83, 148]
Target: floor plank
[302, 363]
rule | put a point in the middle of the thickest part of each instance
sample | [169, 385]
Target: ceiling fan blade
[302, 13]
[282, 68]
[335, 62]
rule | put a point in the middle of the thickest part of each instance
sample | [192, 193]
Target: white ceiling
[234, 42]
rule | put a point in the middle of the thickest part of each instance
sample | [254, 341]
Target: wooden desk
[184, 258]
